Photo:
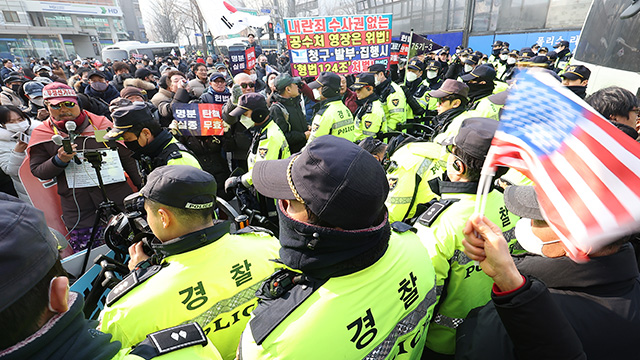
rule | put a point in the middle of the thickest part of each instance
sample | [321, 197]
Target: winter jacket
[9, 97]
[147, 86]
[288, 114]
[10, 160]
[109, 94]
[162, 100]
[197, 87]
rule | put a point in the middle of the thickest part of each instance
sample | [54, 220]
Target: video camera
[129, 227]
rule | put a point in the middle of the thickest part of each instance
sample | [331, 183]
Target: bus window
[147, 52]
[609, 41]
[114, 54]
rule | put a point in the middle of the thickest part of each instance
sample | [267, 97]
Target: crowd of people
[368, 185]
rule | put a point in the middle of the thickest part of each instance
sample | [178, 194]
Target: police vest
[380, 312]
[394, 104]
[213, 285]
[186, 341]
[174, 153]
[333, 118]
[369, 120]
[269, 144]
[411, 167]
[461, 284]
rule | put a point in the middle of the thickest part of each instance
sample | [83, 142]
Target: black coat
[599, 301]
[293, 124]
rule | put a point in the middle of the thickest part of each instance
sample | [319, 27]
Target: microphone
[57, 139]
[71, 127]
[60, 141]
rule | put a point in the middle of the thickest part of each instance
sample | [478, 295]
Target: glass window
[11, 16]
[57, 20]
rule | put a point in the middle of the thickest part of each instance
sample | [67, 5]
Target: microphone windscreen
[70, 126]
[57, 139]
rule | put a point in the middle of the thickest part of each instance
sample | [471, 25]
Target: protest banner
[419, 45]
[198, 119]
[396, 44]
[237, 61]
[340, 44]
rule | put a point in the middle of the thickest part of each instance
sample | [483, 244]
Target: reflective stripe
[370, 133]
[342, 123]
[423, 103]
[405, 326]
[226, 305]
[396, 110]
[451, 323]
[460, 257]
[439, 289]
[400, 199]
[424, 166]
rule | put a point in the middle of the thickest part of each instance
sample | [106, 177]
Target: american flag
[586, 170]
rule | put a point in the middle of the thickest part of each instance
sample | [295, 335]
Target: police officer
[287, 112]
[496, 50]
[481, 82]
[139, 125]
[414, 89]
[502, 63]
[331, 116]
[462, 286]
[576, 79]
[267, 143]
[433, 81]
[41, 319]
[452, 103]
[198, 272]
[341, 248]
[563, 56]
[369, 116]
[391, 96]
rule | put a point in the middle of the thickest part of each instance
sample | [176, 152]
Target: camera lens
[134, 203]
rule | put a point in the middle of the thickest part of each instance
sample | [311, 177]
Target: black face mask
[578, 90]
[133, 146]
[15, 88]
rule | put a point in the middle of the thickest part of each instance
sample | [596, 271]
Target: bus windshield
[608, 41]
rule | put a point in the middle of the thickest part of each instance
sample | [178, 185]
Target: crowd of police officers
[368, 258]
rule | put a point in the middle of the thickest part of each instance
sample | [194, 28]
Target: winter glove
[232, 183]
[236, 92]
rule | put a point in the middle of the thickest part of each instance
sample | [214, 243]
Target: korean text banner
[340, 44]
[198, 119]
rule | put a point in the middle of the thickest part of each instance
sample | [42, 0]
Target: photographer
[198, 272]
[152, 145]
[48, 161]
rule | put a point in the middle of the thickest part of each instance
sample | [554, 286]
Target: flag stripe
[625, 144]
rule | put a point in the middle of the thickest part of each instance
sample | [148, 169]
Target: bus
[123, 50]
[610, 46]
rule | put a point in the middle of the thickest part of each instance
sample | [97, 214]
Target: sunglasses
[248, 85]
[67, 104]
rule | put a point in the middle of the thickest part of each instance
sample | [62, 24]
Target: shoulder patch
[395, 102]
[432, 213]
[174, 155]
[169, 340]
[401, 227]
[131, 281]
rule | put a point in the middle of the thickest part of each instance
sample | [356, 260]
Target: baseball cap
[220, 65]
[474, 137]
[482, 72]
[37, 68]
[283, 80]
[575, 72]
[327, 177]
[523, 201]
[250, 101]
[497, 43]
[57, 92]
[328, 79]
[450, 87]
[564, 43]
[416, 64]
[126, 117]
[28, 250]
[33, 88]
[130, 91]
[433, 65]
[13, 78]
[364, 79]
[216, 75]
[96, 73]
[376, 68]
[142, 73]
[181, 186]
[472, 59]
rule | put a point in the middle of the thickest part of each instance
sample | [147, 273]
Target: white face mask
[38, 101]
[432, 74]
[511, 61]
[411, 76]
[253, 77]
[22, 126]
[467, 68]
[317, 94]
[527, 239]
[246, 121]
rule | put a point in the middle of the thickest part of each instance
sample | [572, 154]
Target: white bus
[125, 49]
[610, 46]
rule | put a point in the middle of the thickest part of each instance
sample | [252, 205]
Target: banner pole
[404, 81]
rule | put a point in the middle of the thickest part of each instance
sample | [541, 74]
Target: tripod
[106, 207]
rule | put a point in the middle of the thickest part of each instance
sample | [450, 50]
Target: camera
[129, 227]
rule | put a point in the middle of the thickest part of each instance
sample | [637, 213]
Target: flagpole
[484, 184]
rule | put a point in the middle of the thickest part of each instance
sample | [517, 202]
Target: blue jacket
[107, 95]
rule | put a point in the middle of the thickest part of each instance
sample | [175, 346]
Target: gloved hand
[236, 92]
[232, 183]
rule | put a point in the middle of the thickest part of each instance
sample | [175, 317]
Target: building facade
[66, 29]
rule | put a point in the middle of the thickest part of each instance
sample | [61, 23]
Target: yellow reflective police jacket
[394, 104]
[380, 312]
[369, 120]
[269, 144]
[333, 118]
[208, 276]
[467, 287]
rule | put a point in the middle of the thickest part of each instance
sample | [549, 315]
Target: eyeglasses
[248, 85]
[67, 104]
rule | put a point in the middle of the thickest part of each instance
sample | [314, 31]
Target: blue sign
[519, 41]
[266, 11]
[451, 40]
[278, 29]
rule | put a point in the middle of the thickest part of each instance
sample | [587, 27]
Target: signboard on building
[68, 8]
[340, 44]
